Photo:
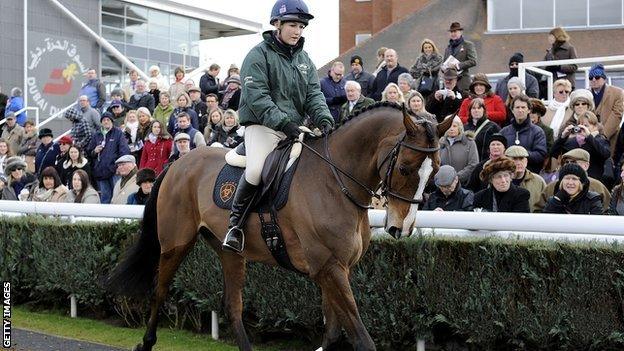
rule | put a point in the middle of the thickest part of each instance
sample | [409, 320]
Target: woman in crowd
[227, 134]
[82, 191]
[381, 60]
[50, 188]
[581, 100]
[514, 88]
[164, 108]
[177, 87]
[153, 89]
[158, 146]
[145, 179]
[501, 195]
[19, 183]
[416, 105]
[216, 118]
[405, 83]
[233, 70]
[132, 134]
[426, 68]
[556, 109]
[76, 161]
[5, 153]
[587, 135]
[145, 122]
[161, 81]
[616, 207]
[479, 127]
[561, 49]
[573, 195]
[183, 105]
[481, 88]
[230, 97]
[458, 151]
[392, 93]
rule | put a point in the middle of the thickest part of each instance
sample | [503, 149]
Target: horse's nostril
[395, 232]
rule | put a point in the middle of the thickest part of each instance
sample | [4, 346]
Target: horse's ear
[445, 125]
[410, 126]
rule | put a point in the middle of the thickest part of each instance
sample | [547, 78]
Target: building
[51, 43]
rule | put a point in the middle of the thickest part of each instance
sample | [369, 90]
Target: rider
[280, 88]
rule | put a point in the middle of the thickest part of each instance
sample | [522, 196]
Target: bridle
[384, 187]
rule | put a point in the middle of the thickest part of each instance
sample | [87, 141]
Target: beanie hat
[44, 132]
[14, 163]
[597, 70]
[145, 175]
[357, 59]
[516, 81]
[107, 115]
[517, 58]
[573, 168]
[497, 137]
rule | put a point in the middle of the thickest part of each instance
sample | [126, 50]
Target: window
[361, 37]
[514, 15]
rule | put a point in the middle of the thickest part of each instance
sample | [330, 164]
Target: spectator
[232, 71]
[212, 103]
[588, 136]
[530, 82]
[133, 136]
[200, 107]
[392, 93]
[524, 178]
[164, 108]
[229, 133]
[3, 103]
[94, 90]
[81, 131]
[183, 106]
[458, 151]
[381, 61]
[405, 83]
[230, 97]
[161, 81]
[333, 88]
[5, 153]
[388, 74]
[522, 132]
[355, 100]
[89, 114]
[105, 147]
[12, 132]
[182, 146]
[46, 152]
[154, 91]
[446, 101]
[50, 188]
[19, 183]
[537, 111]
[118, 112]
[581, 158]
[358, 74]
[496, 149]
[117, 96]
[126, 183]
[479, 127]
[481, 88]
[82, 192]
[145, 122]
[15, 104]
[449, 194]
[556, 109]
[209, 82]
[501, 195]
[216, 119]
[75, 161]
[616, 206]
[64, 143]
[464, 52]
[188, 84]
[581, 101]
[141, 98]
[183, 125]
[28, 147]
[177, 87]
[129, 88]
[514, 88]
[573, 194]
[158, 147]
[426, 68]
[416, 105]
[609, 102]
[561, 49]
[145, 179]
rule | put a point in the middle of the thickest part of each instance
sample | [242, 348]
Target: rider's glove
[291, 129]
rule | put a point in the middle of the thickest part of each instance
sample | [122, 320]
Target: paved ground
[24, 340]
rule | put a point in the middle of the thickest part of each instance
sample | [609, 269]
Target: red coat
[155, 155]
[494, 106]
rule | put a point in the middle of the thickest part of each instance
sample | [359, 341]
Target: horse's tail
[135, 275]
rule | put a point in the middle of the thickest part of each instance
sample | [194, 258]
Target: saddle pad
[227, 182]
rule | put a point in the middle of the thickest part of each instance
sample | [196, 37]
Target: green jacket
[162, 114]
[280, 85]
[362, 102]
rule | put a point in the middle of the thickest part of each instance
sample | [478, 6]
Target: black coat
[208, 84]
[201, 109]
[146, 100]
[229, 139]
[460, 200]
[444, 107]
[483, 148]
[587, 202]
[515, 199]
[383, 79]
[598, 147]
[232, 103]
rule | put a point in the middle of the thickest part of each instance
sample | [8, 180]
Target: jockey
[280, 88]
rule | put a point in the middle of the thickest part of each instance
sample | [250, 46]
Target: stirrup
[234, 240]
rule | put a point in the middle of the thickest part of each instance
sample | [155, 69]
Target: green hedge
[472, 293]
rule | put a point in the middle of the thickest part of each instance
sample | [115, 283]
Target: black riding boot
[235, 238]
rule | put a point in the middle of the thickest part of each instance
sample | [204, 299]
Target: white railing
[36, 109]
[56, 115]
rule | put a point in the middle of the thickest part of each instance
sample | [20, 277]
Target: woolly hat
[66, 139]
[597, 70]
[106, 115]
[582, 94]
[234, 78]
[480, 78]
[145, 175]
[517, 58]
[14, 163]
[44, 132]
[497, 137]
[516, 81]
[445, 176]
[573, 168]
[492, 167]
[357, 59]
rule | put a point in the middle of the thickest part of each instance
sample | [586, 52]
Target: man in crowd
[445, 101]
[12, 132]
[496, 148]
[46, 152]
[197, 104]
[127, 180]
[464, 52]
[332, 88]
[130, 87]
[183, 125]
[81, 130]
[449, 194]
[209, 82]
[532, 88]
[89, 114]
[142, 98]
[389, 74]
[358, 74]
[182, 147]
[524, 178]
[609, 101]
[94, 89]
[355, 100]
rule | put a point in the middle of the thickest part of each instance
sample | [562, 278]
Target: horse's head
[415, 161]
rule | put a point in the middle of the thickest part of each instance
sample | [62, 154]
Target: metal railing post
[214, 326]
[73, 308]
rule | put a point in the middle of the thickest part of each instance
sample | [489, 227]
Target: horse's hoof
[139, 347]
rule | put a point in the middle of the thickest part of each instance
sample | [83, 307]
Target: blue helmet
[290, 10]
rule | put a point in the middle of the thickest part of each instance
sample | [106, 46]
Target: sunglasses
[581, 104]
[594, 77]
[564, 92]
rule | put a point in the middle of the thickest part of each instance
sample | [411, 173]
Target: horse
[325, 232]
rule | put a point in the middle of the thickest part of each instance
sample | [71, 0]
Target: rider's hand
[326, 127]
[291, 129]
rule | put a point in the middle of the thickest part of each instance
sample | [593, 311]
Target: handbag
[426, 85]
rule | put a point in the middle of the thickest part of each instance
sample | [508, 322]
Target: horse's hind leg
[333, 330]
[167, 267]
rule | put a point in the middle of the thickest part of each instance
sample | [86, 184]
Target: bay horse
[325, 232]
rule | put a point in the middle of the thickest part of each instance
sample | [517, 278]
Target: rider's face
[290, 32]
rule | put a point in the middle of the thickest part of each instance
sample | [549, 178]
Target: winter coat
[46, 156]
[597, 146]
[13, 190]
[115, 146]
[280, 85]
[616, 205]
[121, 193]
[172, 124]
[335, 95]
[365, 79]
[155, 155]
[444, 107]
[462, 155]
[176, 89]
[460, 200]
[229, 139]
[515, 199]
[58, 194]
[383, 79]
[594, 185]
[68, 169]
[586, 202]
[208, 84]
[89, 197]
[81, 130]
[535, 184]
[610, 110]
[475, 183]
[14, 137]
[3, 104]
[361, 103]
[233, 103]
[549, 133]
[494, 106]
[201, 109]
[562, 51]
[16, 103]
[90, 115]
[532, 138]
[466, 54]
[161, 114]
[137, 198]
[481, 139]
[197, 138]
[28, 147]
[144, 100]
[426, 65]
[532, 86]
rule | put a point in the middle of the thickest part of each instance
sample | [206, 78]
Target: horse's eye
[404, 170]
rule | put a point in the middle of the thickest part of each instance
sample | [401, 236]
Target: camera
[576, 129]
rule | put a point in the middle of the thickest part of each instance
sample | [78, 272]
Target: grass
[55, 323]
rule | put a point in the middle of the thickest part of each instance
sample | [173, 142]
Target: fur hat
[14, 163]
[44, 132]
[480, 78]
[492, 167]
[582, 94]
[573, 168]
[145, 175]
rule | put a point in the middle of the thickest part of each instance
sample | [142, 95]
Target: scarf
[43, 194]
[560, 108]
[455, 43]
[125, 179]
[132, 127]
[138, 96]
[152, 138]
[226, 98]
[598, 95]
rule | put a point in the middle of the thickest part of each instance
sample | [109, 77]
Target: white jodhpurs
[259, 142]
